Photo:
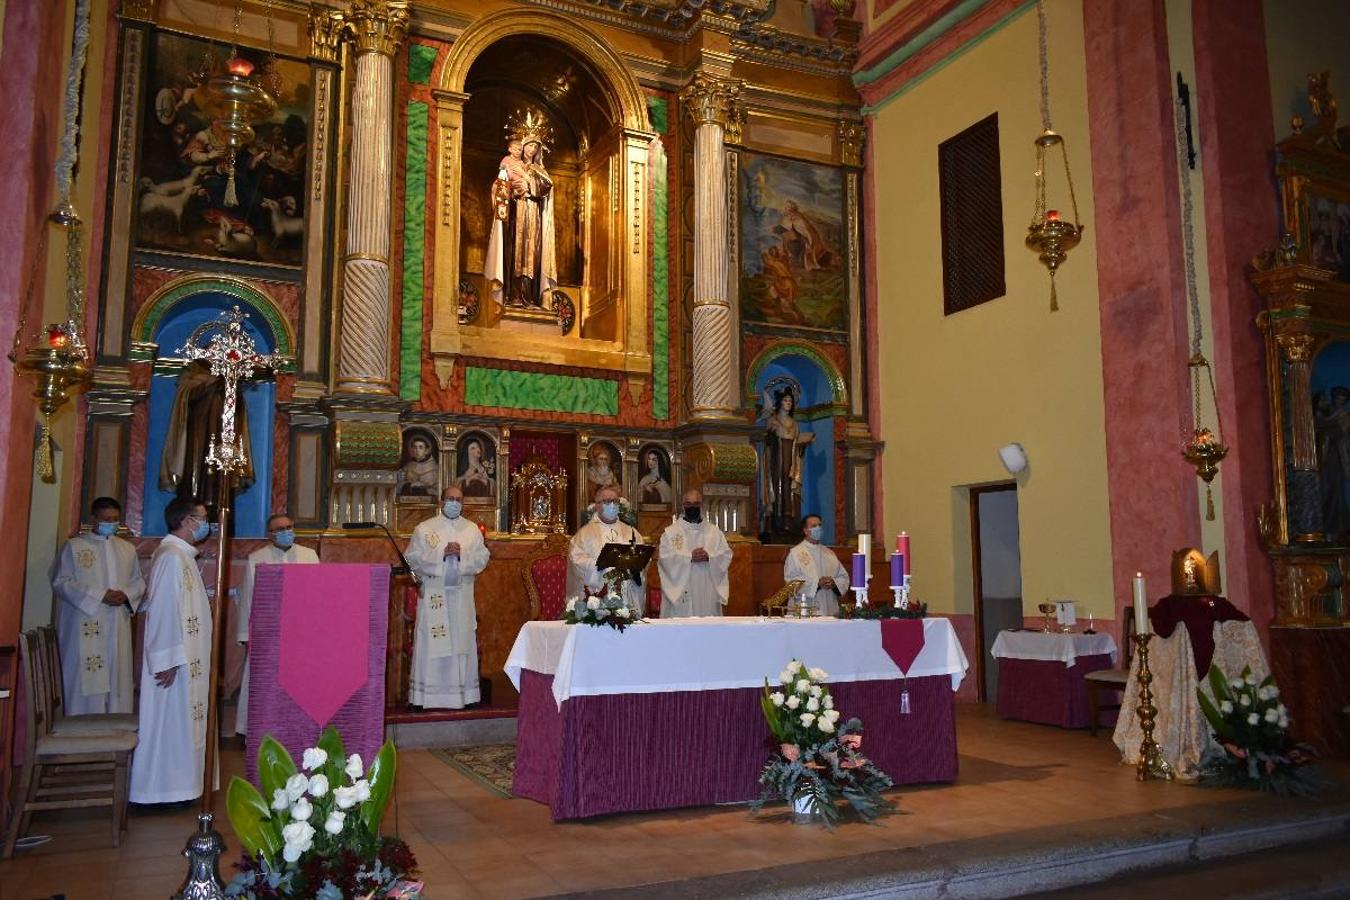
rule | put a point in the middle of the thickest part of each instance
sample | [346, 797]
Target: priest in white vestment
[99, 584]
[447, 551]
[283, 550]
[817, 565]
[694, 561]
[175, 673]
[604, 527]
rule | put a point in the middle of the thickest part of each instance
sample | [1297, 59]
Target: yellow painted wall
[956, 388]
[1305, 36]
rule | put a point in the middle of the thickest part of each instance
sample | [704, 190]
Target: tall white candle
[1141, 625]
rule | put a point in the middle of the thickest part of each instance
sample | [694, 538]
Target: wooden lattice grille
[972, 217]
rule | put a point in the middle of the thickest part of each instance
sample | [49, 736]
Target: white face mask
[452, 509]
[609, 510]
[814, 533]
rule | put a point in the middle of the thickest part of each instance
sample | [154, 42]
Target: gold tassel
[1054, 298]
[1209, 503]
[231, 197]
[46, 469]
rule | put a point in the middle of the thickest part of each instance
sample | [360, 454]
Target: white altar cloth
[1052, 647]
[706, 654]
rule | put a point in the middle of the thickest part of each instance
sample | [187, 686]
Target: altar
[667, 713]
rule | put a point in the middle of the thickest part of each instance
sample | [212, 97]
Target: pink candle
[902, 547]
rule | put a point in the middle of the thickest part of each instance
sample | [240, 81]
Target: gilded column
[375, 28]
[1298, 349]
[711, 102]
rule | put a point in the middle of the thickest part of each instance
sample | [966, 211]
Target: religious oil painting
[189, 198]
[1331, 424]
[654, 489]
[419, 474]
[1329, 235]
[476, 467]
[792, 243]
[604, 468]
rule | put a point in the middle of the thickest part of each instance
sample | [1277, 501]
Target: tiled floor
[472, 844]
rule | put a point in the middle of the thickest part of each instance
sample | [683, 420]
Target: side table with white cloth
[1040, 675]
[667, 713]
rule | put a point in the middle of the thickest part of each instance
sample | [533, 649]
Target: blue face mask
[106, 529]
[452, 509]
[609, 511]
[201, 531]
[814, 533]
[284, 539]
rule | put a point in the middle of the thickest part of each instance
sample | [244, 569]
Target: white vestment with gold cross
[811, 562]
[170, 758]
[691, 588]
[95, 638]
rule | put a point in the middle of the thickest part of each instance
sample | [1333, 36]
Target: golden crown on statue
[529, 126]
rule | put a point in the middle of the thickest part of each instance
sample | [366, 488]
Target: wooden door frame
[977, 576]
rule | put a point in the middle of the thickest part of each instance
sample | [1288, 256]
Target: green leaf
[1212, 715]
[274, 766]
[381, 776]
[1219, 684]
[331, 743]
[251, 819]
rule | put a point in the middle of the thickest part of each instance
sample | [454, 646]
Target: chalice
[1048, 610]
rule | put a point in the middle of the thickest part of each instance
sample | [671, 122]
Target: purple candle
[897, 569]
[859, 570]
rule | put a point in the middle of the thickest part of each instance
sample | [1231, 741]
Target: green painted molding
[147, 321]
[658, 113]
[660, 286]
[414, 250]
[900, 55]
[421, 60]
[838, 391]
[509, 389]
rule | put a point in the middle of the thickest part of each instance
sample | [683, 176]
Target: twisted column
[375, 28]
[710, 101]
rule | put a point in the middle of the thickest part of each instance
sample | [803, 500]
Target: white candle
[1141, 625]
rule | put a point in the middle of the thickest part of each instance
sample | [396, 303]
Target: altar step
[446, 728]
[1288, 848]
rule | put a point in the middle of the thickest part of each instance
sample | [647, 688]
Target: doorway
[997, 576]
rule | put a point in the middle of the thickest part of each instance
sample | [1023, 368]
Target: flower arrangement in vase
[819, 762]
[605, 608]
[1251, 725]
[314, 831]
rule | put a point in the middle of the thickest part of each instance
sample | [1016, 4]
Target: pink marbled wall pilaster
[1141, 282]
[872, 409]
[1242, 218]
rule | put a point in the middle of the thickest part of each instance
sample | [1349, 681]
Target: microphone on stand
[403, 569]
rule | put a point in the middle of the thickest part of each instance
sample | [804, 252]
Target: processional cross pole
[232, 356]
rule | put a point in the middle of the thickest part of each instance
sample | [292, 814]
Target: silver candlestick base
[203, 854]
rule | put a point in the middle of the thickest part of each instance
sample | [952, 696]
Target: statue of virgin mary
[520, 268]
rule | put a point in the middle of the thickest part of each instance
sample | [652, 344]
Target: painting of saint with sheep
[185, 201]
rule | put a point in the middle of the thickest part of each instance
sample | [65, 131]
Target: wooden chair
[65, 771]
[1110, 679]
[88, 723]
[545, 575]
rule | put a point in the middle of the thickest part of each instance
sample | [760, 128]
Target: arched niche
[159, 331]
[612, 186]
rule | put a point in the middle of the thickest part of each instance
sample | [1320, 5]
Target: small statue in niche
[784, 446]
[521, 267]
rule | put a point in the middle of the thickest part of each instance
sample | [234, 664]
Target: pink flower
[852, 741]
[790, 752]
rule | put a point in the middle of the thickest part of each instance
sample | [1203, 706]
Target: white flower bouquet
[607, 608]
[314, 831]
[819, 761]
[1251, 724]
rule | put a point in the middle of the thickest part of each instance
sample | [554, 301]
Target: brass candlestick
[1151, 764]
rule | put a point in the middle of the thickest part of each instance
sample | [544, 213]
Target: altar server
[694, 562]
[817, 565]
[99, 585]
[603, 528]
[447, 551]
[175, 674]
[282, 550]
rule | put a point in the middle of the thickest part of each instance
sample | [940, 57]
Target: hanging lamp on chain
[235, 100]
[1051, 236]
[1204, 449]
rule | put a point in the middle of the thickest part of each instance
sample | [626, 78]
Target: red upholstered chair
[545, 574]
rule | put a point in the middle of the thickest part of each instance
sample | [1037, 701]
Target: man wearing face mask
[818, 566]
[694, 562]
[176, 669]
[447, 551]
[282, 550]
[583, 578]
[99, 583]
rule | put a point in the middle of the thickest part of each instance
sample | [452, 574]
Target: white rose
[828, 701]
[354, 769]
[831, 714]
[1245, 700]
[593, 603]
[813, 705]
[623, 612]
[301, 810]
[1253, 718]
[1284, 722]
[825, 725]
[785, 677]
[333, 824]
[1225, 707]
[1274, 691]
[1281, 710]
[1271, 716]
[803, 685]
[314, 757]
[776, 698]
[572, 605]
[794, 667]
[1251, 680]
[280, 799]
[819, 674]
[296, 786]
[318, 785]
[299, 836]
[291, 853]
[815, 690]
[806, 719]
[602, 613]
[362, 788]
[345, 797]
[794, 701]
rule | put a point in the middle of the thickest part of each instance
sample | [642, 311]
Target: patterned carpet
[492, 766]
